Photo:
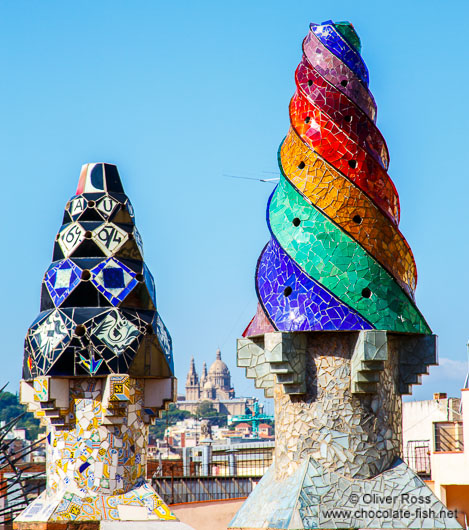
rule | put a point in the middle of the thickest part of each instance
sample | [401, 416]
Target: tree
[11, 408]
[207, 411]
[168, 417]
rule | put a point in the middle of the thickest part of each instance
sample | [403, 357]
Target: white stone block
[157, 391]
[59, 390]
[26, 392]
[132, 513]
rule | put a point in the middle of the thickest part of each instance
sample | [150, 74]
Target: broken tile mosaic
[338, 74]
[334, 259]
[337, 260]
[96, 449]
[98, 363]
[331, 38]
[98, 303]
[335, 269]
[348, 207]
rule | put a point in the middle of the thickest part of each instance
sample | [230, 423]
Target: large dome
[218, 366]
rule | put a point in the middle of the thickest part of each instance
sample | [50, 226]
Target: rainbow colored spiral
[336, 259]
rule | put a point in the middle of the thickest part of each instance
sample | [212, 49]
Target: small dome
[218, 366]
[208, 385]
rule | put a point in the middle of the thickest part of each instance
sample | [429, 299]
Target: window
[448, 436]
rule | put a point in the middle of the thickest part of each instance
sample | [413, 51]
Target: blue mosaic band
[334, 41]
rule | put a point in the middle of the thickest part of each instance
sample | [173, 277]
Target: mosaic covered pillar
[337, 337]
[98, 366]
[356, 435]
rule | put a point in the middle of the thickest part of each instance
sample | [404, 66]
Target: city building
[190, 432]
[244, 429]
[213, 385]
[434, 432]
[246, 458]
[266, 431]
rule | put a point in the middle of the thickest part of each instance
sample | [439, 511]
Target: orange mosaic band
[348, 207]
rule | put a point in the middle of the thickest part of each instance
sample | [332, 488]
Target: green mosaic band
[339, 263]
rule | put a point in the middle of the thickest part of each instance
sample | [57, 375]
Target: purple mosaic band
[294, 301]
[338, 74]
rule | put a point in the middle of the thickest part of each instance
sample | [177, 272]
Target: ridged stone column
[356, 435]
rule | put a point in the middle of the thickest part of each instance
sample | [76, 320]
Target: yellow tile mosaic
[95, 466]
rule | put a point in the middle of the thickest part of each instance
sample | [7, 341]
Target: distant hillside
[11, 408]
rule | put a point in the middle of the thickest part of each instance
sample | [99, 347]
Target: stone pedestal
[97, 432]
[338, 431]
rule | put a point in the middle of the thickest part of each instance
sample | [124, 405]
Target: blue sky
[177, 95]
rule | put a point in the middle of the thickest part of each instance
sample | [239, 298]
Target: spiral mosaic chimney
[336, 260]
[98, 365]
[337, 337]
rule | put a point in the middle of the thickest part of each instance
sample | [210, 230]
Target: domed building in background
[219, 378]
[214, 386]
